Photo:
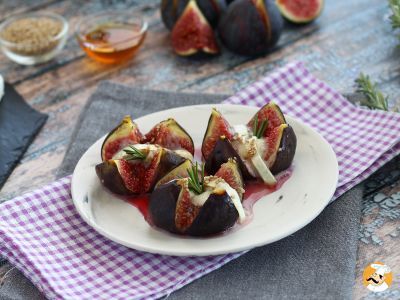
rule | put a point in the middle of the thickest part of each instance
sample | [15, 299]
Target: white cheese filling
[251, 150]
[218, 185]
[241, 130]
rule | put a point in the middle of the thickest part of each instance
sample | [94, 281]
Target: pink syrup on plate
[254, 191]
[141, 202]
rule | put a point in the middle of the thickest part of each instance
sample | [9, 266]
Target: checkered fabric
[362, 139]
[42, 234]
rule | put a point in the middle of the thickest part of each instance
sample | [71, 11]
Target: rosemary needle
[258, 131]
[134, 153]
[194, 184]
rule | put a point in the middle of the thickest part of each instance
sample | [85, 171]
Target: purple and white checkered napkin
[42, 234]
[362, 139]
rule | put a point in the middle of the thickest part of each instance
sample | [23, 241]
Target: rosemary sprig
[258, 131]
[134, 153]
[374, 98]
[195, 184]
[395, 17]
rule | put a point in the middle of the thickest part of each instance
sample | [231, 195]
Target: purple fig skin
[287, 149]
[171, 10]
[162, 206]
[109, 176]
[175, 173]
[169, 161]
[217, 215]
[243, 31]
[223, 150]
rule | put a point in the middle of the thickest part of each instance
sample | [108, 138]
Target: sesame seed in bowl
[33, 38]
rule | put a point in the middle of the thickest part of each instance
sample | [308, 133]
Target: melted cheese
[241, 130]
[200, 199]
[262, 169]
[250, 150]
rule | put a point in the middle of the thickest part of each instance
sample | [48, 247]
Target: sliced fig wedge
[171, 135]
[176, 173]
[185, 211]
[126, 133]
[279, 137]
[286, 151]
[216, 128]
[162, 205]
[192, 33]
[110, 177]
[231, 173]
[126, 176]
[222, 152]
[270, 112]
[273, 141]
[300, 11]
[169, 161]
[217, 215]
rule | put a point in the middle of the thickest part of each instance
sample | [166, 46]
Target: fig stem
[134, 153]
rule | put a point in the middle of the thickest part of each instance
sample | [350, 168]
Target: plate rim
[236, 249]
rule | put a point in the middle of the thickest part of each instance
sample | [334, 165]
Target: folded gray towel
[317, 262]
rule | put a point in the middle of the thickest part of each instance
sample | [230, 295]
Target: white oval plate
[304, 195]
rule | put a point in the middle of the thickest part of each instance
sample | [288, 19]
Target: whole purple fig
[250, 27]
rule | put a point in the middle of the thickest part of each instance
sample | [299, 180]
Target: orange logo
[377, 277]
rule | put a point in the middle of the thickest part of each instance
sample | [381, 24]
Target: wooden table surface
[349, 37]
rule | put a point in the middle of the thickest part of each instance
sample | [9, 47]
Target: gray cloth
[317, 262]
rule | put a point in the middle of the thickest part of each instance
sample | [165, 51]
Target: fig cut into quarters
[126, 133]
[192, 33]
[217, 127]
[171, 135]
[124, 175]
[177, 209]
[168, 134]
[265, 146]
